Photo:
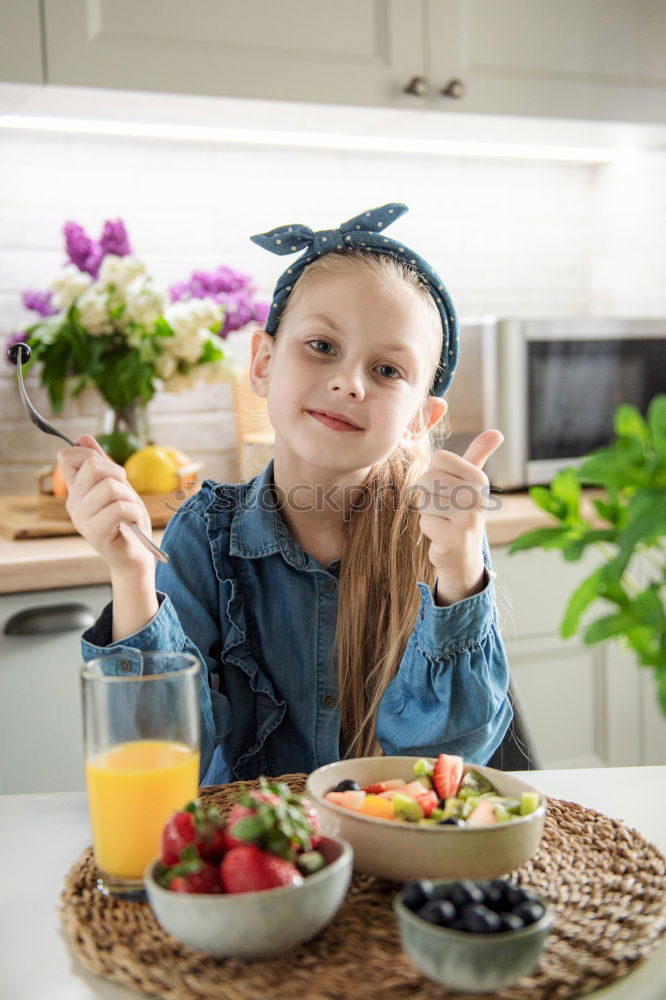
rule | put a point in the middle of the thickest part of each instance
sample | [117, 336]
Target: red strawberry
[236, 812]
[239, 811]
[249, 869]
[274, 819]
[428, 801]
[193, 825]
[385, 786]
[447, 774]
[211, 843]
[207, 880]
[191, 874]
[178, 833]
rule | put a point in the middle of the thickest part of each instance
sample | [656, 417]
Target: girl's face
[352, 350]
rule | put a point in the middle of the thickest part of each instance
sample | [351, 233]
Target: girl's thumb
[88, 441]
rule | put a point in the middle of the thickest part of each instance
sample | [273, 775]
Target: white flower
[165, 366]
[190, 322]
[69, 284]
[93, 314]
[144, 306]
[120, 271]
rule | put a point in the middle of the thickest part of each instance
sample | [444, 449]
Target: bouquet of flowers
[103, 323]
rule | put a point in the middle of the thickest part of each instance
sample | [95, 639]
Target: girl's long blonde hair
[385, 553]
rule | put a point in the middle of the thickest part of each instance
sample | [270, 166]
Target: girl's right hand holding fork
[100, 498]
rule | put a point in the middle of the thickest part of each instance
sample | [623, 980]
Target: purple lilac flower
[39, 302]
[81, 250]
[230, 289]
[14, 338]
[114, 239]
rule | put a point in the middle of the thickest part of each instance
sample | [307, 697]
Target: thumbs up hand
[452, 493]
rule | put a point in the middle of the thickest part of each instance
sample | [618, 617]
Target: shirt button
[125, 666]
[330, 586]
[329, 701]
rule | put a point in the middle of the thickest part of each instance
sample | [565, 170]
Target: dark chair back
[517, 751]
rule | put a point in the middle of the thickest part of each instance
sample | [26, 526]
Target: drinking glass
[141, 749]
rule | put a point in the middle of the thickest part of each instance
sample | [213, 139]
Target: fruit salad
[440, 794]
[493, 907]
[269, 839]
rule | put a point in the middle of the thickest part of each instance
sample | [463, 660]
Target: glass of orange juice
[141, 747]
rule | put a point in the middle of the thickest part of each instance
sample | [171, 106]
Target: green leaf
[546, 538]
[656, 419]
[580, 600]
[607, 627]
[609, 468]
[162, 328]
[648, 608]
[628, 422]
[544, 499]
[211, 351]
[566, 488]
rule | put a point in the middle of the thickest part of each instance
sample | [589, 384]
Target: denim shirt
[259, 612]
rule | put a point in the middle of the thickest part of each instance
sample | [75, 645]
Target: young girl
[341, 602]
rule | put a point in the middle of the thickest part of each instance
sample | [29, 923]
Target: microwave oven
[551, 387]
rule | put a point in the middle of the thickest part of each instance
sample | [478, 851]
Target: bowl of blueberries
[474, 937]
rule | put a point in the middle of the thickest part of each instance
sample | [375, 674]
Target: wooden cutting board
[19, 519]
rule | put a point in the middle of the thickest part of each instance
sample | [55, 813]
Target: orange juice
[133, 788]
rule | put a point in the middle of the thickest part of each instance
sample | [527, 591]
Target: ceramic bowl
[399, 851]
[471, 963]
[254, 925]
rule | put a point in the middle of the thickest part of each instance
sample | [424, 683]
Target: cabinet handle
[418, 86]
[455, 89]
[50, 618]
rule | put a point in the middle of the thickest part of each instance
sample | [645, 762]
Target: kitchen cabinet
[597, 59]
[41, 747]
[349, 52]
[21, 41]
[600, 59]
[586, 706]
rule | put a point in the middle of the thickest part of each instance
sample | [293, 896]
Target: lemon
[152, 470]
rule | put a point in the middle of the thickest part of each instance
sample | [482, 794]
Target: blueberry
[510, 922]
[438, 911]
[478, 919]
[347, 785]
[514, 895]
[494, 896]
[416, 893]
[462, 893]
[442, 891]
[451, 821]
[529, 912]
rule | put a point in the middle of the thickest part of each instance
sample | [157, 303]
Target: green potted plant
[632, 472]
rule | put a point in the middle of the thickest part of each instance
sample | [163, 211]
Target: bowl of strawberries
[252, 884]
[413, 817]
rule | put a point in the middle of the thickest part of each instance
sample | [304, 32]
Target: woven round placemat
[606, 883]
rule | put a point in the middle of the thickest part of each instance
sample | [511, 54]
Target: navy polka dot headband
[364, 232]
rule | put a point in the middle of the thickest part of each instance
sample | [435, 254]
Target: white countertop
[42, 835]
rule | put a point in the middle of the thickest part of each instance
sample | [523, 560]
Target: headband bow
[363, 232]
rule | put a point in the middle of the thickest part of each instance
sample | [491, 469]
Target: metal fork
[19, 354]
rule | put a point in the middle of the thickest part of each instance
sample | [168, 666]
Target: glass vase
[125, 430]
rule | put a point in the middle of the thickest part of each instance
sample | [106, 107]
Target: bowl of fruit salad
[252, 884]
[408, 817]
[473, 937]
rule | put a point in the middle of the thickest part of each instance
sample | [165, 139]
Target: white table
[42, 835]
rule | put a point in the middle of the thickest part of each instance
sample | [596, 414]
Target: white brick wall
[628, 267]
[509, 237]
